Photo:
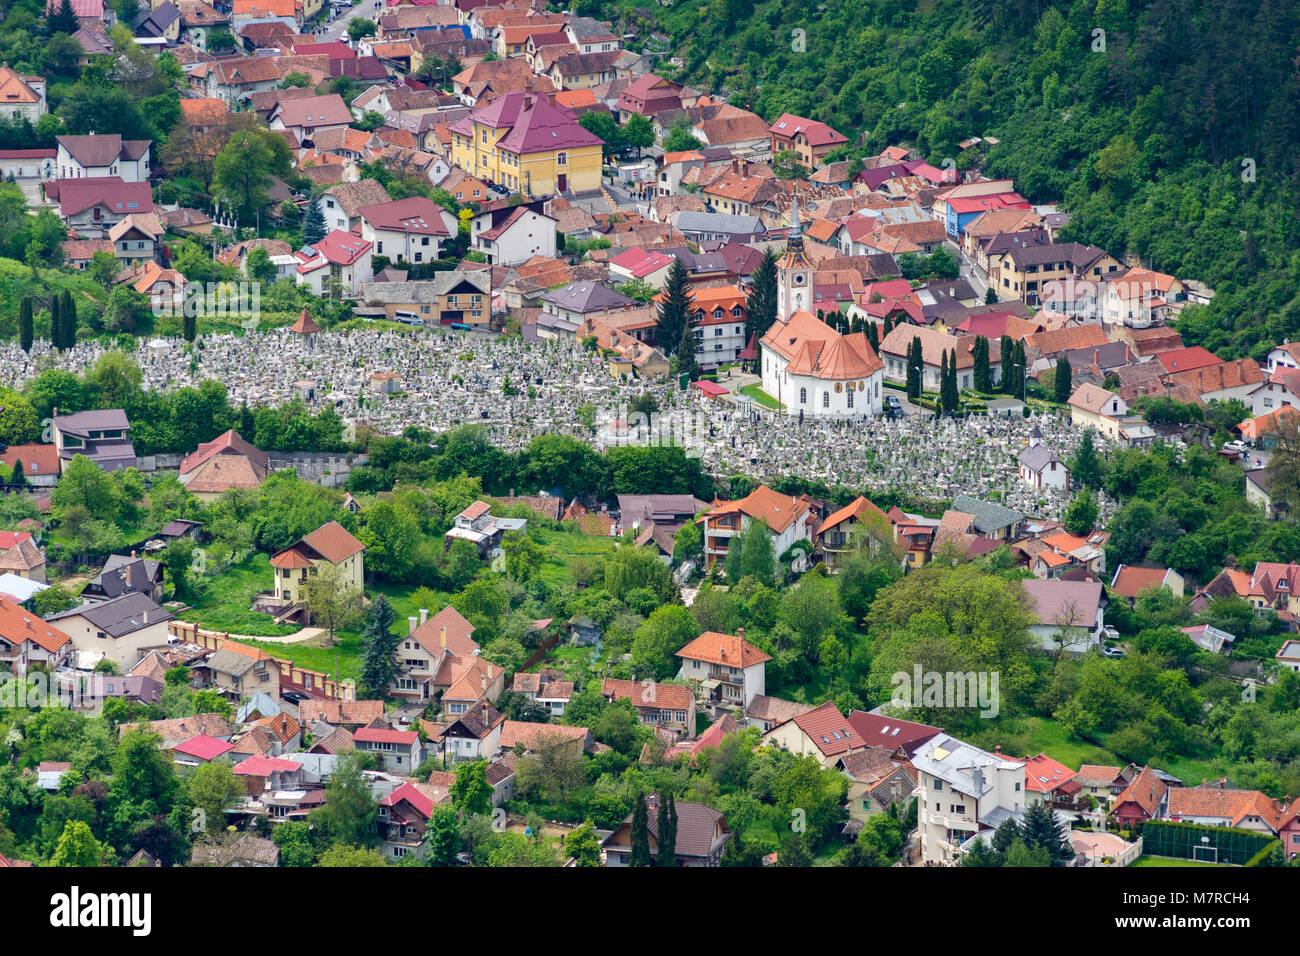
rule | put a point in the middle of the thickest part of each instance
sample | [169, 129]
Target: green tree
[242, 171]
[687, 363]
[359, 27]
[761, 297]
[667, 827]
[581, 844]
[350, 814]
[470, 792]
[1063, 388]
[77, 846]
[665, 632]
[25, 324]
[342, 855]
[638, 133]
[313, 223]
[1086, 467]
[64, 19]
[983, 378]
[674, 308]
[378, 664]
[212, 788]
[1080, 516]
[640, 855]
[915, 369]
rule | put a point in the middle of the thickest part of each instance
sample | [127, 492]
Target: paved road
[338, 28]
[970, 272]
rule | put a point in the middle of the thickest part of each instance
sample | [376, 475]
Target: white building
[1041, 469]
[408, 230]
[21, 97]
[786, 516]
[341, 258]
[84, 157]
[813, 370]
[961, 792]
[1069, 615]
[727, 669]
[509, 235]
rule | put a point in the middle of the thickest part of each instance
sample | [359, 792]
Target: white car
[1109, 633]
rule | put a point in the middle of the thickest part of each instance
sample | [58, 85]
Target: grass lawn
[562, 547]
[1149, 861]
[224, 605]
[760, 396]
[316, 655]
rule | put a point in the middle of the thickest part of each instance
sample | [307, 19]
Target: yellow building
[330, 544]
[527, 144]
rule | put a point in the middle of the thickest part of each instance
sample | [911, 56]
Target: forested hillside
[1141, 131]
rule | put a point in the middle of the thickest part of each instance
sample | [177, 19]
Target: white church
[806, 365]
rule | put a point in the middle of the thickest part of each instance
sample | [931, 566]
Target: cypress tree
[983, 379]
[25, 329]
[1063, 375]
[913, 369]
[69, 315]
[889, 327]
[17, 478]
[1020, 370]
[873, 336]
[640, 855]
[1007, 356]
[674, 308]
[56, 321]
[667, 831]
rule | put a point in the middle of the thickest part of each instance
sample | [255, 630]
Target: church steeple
[794, 270]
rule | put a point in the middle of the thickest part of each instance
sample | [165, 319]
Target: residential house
[21, 556]
[767, 712]
[237, 675]
[902, 737]
[341, 204]
[330, 545]
[963, 792]
[1042, 469]
[1288, 655]
[342, 261]
[118, 630]
[934, 345]
[224, 464]
[403, 822]
[878, 779]
[103, 436]
[1129, 581]
[479, 527]
[669, 707]
[1068, 615]
[727, 669]
[1050, 782]
[199, 750]
[93, 206]
[990, 519]
[1145, 798]
[508, 235]
[786, 516]
[822, 732]
[407, 230]
[26, 640]
[449, 297]
[474, 734]
[400, 751]
[122, 575]
[838, 534]
[1035, 273]
[21, 97]
[100, 155]
[700, 839]
[810, 140]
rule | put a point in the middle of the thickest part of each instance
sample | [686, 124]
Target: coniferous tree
[378, 665]
[873, 336]
[640, 855]
[674, 308]
[17, 477]
[1040, 830]
[56, 321]
[1064, 387]
[1007, 356]
[69, 314]
[889, 327]
[190, 325]
[686, 360]
[761, 299]
[667, 831]
[313, 223]
[25, 329]
[1086, 468]
[1020, 370]
[64, 19]
[914, 369]
[982, 375]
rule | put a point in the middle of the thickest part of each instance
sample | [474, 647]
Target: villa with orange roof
[1218, 807]
[1049, 781]
[26, 640]
[726, 667]
[1130, 581]
[331, 544]
[786, 516]
[836, 536]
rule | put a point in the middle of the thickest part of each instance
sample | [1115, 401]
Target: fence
[292, 677]
[1206, 844]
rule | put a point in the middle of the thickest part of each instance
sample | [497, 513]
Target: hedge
[1179, 840]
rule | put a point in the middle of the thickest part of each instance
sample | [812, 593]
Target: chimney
[444, 637]
[482, 683]
[424, 615]
[146, 617]
[740, 633]
[411, 621]
[735, 165]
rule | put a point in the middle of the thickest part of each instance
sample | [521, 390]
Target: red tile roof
[829, 730]
[726, 650]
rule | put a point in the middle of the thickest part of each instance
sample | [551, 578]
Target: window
[938, 785]
[850, 398]
[803, 396]
[561, 159]
[826, 399]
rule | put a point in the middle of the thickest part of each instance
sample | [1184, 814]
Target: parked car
[1110, 633]
[1113, 651]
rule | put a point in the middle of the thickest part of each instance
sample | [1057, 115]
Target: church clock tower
[794, 271]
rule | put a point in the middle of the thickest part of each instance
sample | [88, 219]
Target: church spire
[794, 237]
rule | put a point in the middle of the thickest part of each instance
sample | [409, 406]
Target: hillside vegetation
[1142, 131]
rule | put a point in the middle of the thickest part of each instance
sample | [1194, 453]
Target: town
[445, 434]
